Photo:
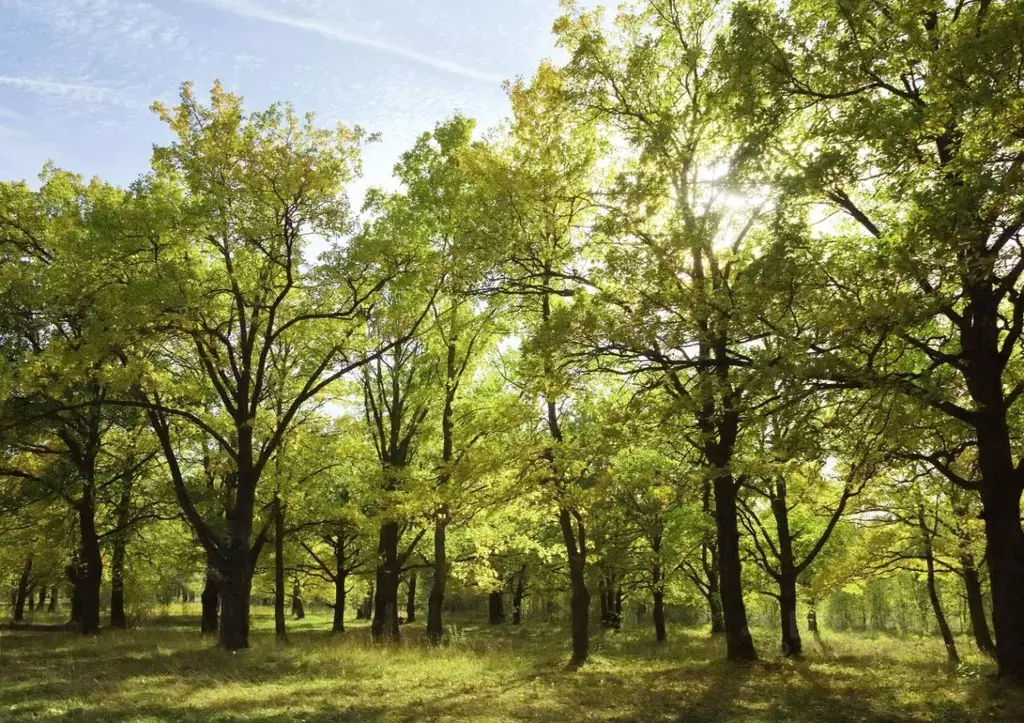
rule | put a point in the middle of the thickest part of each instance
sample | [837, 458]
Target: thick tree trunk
[792, 646]
[385, 604]
[495, 608]
[976, 606]
[739, 644]
[435, 603]
[579, 603]
[518, 593]
[1001, 483]
[22, 592]
[90, 569]
[1005, 556]
[210, 600]
[280, 628]
[235, 586]
[118, 619]
[410, 600]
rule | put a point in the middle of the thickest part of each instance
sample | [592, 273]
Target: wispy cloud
[69, 91]
[248, 10]
[103, 21]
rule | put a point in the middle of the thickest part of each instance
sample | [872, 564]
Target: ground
[165, 671]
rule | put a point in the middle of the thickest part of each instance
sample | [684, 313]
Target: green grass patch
[165, 671]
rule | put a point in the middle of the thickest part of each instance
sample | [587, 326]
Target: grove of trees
[727, 314]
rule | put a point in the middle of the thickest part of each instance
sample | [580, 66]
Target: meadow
[165, 671]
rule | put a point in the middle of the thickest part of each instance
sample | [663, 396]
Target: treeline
[730, 306]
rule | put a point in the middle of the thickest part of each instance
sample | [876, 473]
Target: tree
[235, 306]
[914, 112]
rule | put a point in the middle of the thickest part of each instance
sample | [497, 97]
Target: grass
[165, 671]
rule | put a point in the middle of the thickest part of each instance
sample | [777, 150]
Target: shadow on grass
[162, 674]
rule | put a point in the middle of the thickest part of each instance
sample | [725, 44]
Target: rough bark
[235, 587]
[385, 604]
[739, 643]
[89, 574]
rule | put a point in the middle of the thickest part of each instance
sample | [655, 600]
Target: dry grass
[166, 672]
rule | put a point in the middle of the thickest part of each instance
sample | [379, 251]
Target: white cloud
[69, 91]
[246, 9]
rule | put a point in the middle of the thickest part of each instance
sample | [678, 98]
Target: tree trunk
[21, 594]
[340, 581]
[209, 599]
[976, 606]
[365, 610]
[579, 604]
[792, 646]
[280, 628]
[495, 608]
[118, 619]
[518, 592]
[235, 586]
[739, 644]
[940, 617]
[298, 605]
[435, 603]
[607, 604]
[660, 635]
[385, 604]
[410, 601]
[90, 569]
[1005, 556]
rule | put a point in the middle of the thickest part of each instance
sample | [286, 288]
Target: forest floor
[164, 671]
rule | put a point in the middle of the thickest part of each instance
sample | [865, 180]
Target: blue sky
[77, 76]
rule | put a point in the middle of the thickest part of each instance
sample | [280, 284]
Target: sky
[77, 77]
